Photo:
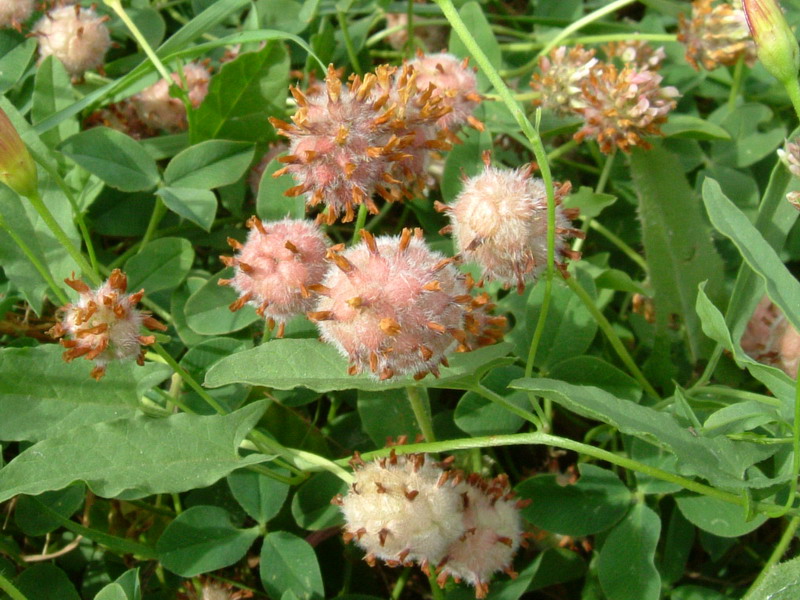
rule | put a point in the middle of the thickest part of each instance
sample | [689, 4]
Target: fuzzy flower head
[405, 509]
[454, 83]
[158, 110]
[276, 267]
[14, 12]
[74, 35]
[637, 54]
[17, 169]
[715, 36]
[103, 325]
[392, 306]
[492, 534]
[790, 156]
[345, 139]
[623, 106]
[499, 221]
[561, 74]
[771, 339]
[481, 326]
[402, 509]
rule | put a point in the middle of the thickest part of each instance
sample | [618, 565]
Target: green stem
[612, 336]
[159, 210]
[512, 408]
[9, 589]
[540, 438]
[777, 554]
[736, 85]
[181, 372]
[580, 23]
[361, 218]
[422, 412]
[63, 238]
[37, 264]
[300, 458]
[348, 42]
[409, 49]
[116, 6]
[400, 584]
[619, 243]
[436, 591]
[793, 89]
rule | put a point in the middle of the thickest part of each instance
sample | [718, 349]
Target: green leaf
[776, 380]
[271, 204]
[782, 287]
[197, 206]
[677, 242]
[52, 91]
[753, 135]
[288, 564]
[742, 416]
[477, 24]
[113, 591]
[161, 265]
[677, 547]
[720, 460]
[199, 358]
[210, 164]
[202, 539]
[590, 370]
[32, 521]
[569, 328]
[55, 397]
[697, 592]
[595, 503]
[207, 311]
[715, 516]
[311, 505]
[479, 416]
[688, 126]
[136, 456]
[386, 414]
[45, 581]
[782, 582]
[625, 567]
[589, 202]
[260, 496]
[464, 159]
[242, 96]
[117, 159]
[14, 63]
[285, 364]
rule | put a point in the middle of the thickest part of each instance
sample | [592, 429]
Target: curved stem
[159, 210]
[512, 408]
[63, 238]
[422, 412]
[182, 373]
[361, 218]
[9, 589]
[777, 554]
[619, 243]
[116, 6]
[612, 336]
[540, 438]
[37, 264]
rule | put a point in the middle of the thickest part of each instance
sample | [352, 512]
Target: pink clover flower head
[770, 339]
[561, 74]
[623, 106]
[499, 221]
[401, 510]
[75, 35]
[344, 140]
[103, 325]
[157, 109]
[276, 267]
[716, 36]
[392, 306]
[14, 12]
[492, 534]
[454, 83]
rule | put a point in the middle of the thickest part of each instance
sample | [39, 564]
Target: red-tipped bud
[776, 45]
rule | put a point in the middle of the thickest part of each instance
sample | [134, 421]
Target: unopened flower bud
[776, 45]
[17, 169]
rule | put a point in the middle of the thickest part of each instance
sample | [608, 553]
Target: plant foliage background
[660, 459]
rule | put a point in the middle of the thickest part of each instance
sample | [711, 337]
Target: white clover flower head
[75, 35]
[402, 510]
[392, 306]
[276, 267]
[157, 109]
[14, 12]
[560, 77]
[499, 221]
[103, 325]
[637, 54]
